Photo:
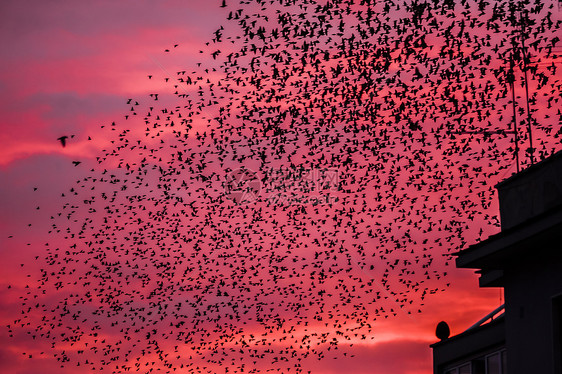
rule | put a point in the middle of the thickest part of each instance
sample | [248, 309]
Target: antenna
[511, 81]
[525, 60]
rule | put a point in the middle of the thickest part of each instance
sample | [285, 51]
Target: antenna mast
[511, 80]
[529, 121]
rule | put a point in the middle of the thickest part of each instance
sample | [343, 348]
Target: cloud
[69, 67]
[397, 357]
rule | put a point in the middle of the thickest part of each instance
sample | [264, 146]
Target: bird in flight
[62, 140]
[321, 183]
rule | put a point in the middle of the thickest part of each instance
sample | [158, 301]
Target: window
[504, 361]
[465, 369]
[496, 363]
[462, 369]
[493, 363]
[479, 366]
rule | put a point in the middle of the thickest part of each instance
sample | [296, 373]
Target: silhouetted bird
[355, 138]
[62, 140]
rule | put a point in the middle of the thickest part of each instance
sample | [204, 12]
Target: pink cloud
[69, 69]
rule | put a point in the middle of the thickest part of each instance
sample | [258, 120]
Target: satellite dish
[442, 330]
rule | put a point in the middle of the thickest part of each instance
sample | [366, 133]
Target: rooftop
[531, 219]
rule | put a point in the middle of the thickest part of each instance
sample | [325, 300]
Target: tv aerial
[516, 54]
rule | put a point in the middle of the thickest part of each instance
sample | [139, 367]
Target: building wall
[469, 345]
[530, 289]
[531, 192]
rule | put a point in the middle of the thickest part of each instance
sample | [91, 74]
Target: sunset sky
[74, 68]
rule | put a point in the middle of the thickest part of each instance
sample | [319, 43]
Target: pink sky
[69, 68]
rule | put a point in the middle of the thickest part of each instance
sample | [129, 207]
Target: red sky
[68, 68]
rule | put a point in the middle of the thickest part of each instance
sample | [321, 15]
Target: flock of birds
[316, 174]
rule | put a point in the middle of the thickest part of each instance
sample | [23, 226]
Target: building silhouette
[524, 335]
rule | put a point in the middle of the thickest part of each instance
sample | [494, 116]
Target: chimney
[531, 192]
